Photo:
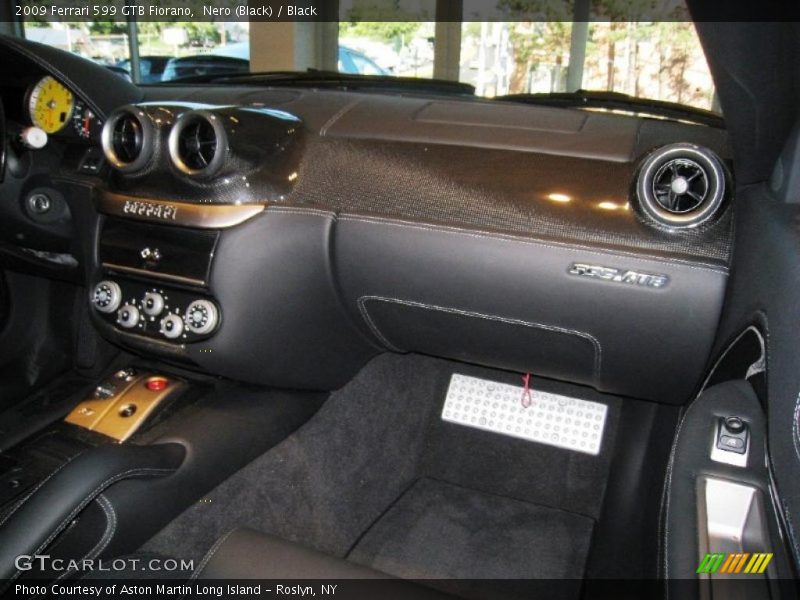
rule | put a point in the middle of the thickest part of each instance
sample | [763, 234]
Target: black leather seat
[247, 554]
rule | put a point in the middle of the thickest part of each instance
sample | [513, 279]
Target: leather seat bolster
[49, 508]
[247, 554]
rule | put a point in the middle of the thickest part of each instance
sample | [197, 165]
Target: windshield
[651, 60]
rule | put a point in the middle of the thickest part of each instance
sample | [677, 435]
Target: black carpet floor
[441, 531]
[378, 477]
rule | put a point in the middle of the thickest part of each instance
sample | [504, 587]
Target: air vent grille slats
[128, 139]
[681, 185]
[198, 143]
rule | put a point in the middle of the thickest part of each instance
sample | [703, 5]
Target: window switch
[734, 444]
[733, 434]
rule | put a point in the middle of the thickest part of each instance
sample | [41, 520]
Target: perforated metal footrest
[550, 419]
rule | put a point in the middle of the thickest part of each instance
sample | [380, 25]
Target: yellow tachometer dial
[50, 105]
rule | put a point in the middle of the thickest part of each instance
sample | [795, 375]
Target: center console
[168, 281]
[189, 173]
[139, 447]
[121, 404]
[197, 260]
[156, 281]
[121, 407]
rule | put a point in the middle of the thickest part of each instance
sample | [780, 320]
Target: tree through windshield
[658, 60]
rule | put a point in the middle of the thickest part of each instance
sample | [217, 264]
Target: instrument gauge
[50, 105]
[84, 121]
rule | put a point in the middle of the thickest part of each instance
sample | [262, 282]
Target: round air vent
[198, 143]
[128, 139]
[681, 185]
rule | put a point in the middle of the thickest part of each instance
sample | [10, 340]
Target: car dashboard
[285, 236]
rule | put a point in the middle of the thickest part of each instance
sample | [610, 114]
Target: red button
[156, 384]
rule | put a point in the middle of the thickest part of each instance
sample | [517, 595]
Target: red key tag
[527, 397]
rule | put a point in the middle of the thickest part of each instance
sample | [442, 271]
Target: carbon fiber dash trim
[506, 191]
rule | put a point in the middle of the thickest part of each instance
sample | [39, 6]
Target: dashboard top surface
[559, 175]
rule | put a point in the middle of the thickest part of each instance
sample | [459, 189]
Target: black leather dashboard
[500, 234]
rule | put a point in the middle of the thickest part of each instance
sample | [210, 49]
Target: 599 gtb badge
[625, 276]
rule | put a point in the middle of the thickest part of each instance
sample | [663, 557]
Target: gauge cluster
[52, 107]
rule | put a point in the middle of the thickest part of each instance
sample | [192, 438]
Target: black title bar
[398, 10]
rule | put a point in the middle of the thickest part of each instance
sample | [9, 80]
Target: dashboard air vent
[681, 185]
[198, 143]
[128, 139]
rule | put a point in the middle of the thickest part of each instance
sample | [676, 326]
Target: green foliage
[537, 10]
[619, 11]
[534, 42]
[107, 27]
[383, 10]
[381, 20]
[201, 33]
[622, 11]
[384, 31]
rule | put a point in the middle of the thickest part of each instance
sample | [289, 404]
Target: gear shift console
[121, 403]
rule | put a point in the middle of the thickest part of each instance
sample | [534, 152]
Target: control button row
[201, 316]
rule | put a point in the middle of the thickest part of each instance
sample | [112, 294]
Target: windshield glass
[653, 60]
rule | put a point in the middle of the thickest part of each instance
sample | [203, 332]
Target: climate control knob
[128, 316]
[153, 304]
[201, 317]
[171, 326]
[106, 296]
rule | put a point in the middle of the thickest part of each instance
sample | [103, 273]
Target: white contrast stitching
[108, 534]
[88, 498]
[570, 247]
[289, 210]
[373, 327]
[795, 431]
[788, 517]
[667, 486]
[598, 350]
[210, 554]
[19, 504]
[111, 518]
